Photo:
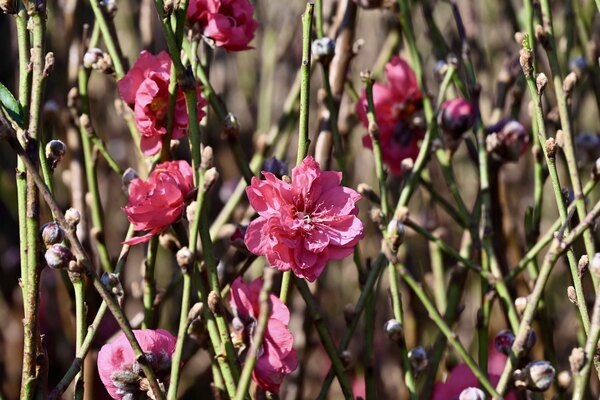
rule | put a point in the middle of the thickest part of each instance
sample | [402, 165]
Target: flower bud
[210, 177]
[276, 167]
[323, 49]
[129, 175]
[521, 304]
[110, 6]
[58, 256]
[455, 118]
[472, 393]
[393, 330]
[347, 358]
[72, 217]
[91, 57]
[207, 158]
[418, 359]
[541, 81]
[55, 151]
[113, 284]
[367, 191]
[577, 359]
[52, 233]
[564, 379]
[231, 128]
[184, 258]
[507, 140]
[504, 341]
[536, 376]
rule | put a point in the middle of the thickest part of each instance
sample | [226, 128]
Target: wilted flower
[229, 23]
[145, 88]
[507, 140]
[277, 356]
[456, 116]
[122, 374]
[155, 204]
[303, 224]
[461, 378]
[398, 113]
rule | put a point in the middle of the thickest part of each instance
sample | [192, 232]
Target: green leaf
[11, 106]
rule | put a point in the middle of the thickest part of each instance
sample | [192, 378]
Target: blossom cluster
[304, 220]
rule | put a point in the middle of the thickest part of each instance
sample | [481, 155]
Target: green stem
[374, 273]
[565, 122]
[325, 336]
[409, 379]
[150, 284]
[112, 44]
[91, 172]
[80, 327]
[34, 268]
[82, 258]
[550, 156]
[91, 330]
[187, 284]
[303, 139]
[443, 326]
[559, 246]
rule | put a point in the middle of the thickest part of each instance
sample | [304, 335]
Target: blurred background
[255, 84]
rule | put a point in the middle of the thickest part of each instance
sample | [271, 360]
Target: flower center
[159, 107]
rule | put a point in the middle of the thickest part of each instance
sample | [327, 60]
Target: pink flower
[304, 224]
[119, 371]
[456, 117]
[277, 357]
[145, 88]
[229, 23]
[155, 204]
[461, 378]
[396, 106]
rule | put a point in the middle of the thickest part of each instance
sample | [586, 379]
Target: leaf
[11, 106]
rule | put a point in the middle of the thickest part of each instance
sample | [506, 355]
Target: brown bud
[521, 304]
[195, 311]
[572, 295]
[207, 158]
[73, 217]
[58, 256]
[210, 177]
[52, 233]
[185, 258]
[231, 129]
[577, 359]
[569, 83]
[551, 148]
[214, 302]
[541, 81]
[346, 358]
[525, 59]
[418, 359]
[564, 379]
[394, 331]
[582, 265]
[536, 376]
[367, 191]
